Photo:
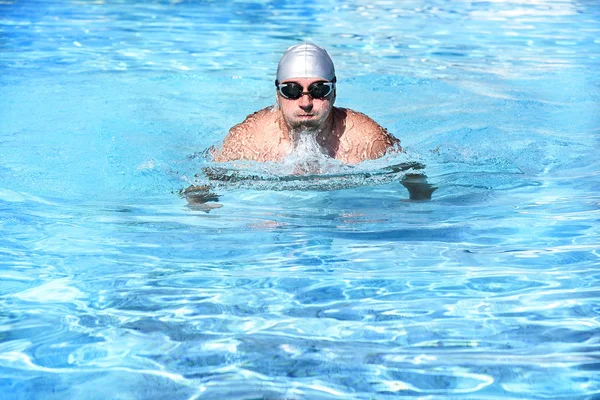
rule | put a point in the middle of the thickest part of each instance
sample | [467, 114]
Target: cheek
[287, 108]
[324, 106]
[282, 104]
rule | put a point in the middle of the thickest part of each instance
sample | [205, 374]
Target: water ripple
[320, 287]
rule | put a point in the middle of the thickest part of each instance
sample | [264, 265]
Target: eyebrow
[298, 83]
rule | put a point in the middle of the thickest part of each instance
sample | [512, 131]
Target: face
[305, 112]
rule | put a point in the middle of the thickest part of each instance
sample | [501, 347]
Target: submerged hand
[198, 195]
[418, 187]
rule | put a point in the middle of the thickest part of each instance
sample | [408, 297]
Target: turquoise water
[113, 287]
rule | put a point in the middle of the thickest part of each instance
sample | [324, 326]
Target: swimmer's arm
[416, 183]
[418, 187]
[381, 143]
[200, 197]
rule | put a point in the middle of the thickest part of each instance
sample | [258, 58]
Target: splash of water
[307, 167]
[308, 157]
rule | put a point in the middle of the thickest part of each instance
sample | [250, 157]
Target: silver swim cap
[305, 60]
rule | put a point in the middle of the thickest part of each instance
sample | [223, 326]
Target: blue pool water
[113, 287]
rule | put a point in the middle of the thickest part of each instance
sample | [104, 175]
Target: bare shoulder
[367, 138]
[362, 125]
[244, 140]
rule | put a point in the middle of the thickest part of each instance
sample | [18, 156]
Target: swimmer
[305, 90]
[305, 96]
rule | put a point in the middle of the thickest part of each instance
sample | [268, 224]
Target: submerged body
[304, 120]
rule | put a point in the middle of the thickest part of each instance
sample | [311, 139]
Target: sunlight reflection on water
[317, 286]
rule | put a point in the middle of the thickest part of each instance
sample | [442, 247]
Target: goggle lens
[317, 90]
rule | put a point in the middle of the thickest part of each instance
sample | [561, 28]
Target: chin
[307, 128]
[309, 124]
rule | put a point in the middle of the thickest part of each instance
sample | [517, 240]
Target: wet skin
[270, 134]
[346, 135]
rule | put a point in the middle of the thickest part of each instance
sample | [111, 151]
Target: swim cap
[305, 60]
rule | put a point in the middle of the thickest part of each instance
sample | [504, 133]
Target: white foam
[308, 157]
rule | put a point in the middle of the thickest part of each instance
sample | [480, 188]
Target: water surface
[112, 286]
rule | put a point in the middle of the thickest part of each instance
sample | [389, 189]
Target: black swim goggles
[317, 90]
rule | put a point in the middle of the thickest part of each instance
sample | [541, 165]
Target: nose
[305, 102]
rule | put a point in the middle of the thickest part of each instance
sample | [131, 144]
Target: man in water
[305, 100]
[304, 108]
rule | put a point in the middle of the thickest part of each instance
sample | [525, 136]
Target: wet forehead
[304, 81]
